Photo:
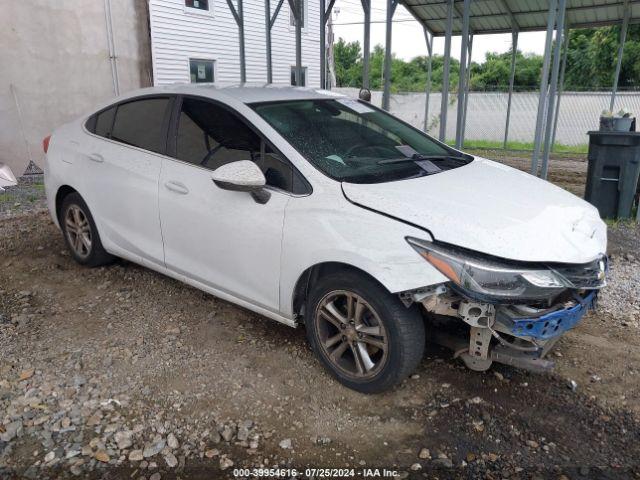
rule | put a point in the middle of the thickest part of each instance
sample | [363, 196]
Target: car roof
[246, 93]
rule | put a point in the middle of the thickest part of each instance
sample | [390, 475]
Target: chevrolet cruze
[315, 209]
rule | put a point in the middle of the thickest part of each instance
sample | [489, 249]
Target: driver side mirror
[242, 176]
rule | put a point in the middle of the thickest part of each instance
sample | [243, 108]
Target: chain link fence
[487, 113]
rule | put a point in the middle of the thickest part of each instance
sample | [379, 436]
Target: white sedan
[312, 208]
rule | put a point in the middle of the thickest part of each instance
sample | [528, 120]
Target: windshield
[354, 142]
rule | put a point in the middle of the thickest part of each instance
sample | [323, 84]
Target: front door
[223, 239]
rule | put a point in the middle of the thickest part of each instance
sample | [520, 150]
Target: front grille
[589, 275]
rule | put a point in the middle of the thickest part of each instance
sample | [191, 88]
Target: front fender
[315, 233]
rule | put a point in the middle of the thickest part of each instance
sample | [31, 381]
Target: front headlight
[485, 277]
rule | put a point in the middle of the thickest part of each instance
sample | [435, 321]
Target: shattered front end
[504, 311]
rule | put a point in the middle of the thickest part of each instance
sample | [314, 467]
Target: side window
[140, 123]
[104, 122]
[210, 136]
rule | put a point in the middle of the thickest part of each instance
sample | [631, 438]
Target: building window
[303, 76]
[198, 4]
[292, 18]
[201, 71]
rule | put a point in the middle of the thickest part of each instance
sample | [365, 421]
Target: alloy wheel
[351, 335]
[78, 231]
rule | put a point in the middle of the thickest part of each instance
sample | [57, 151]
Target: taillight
[45, 143]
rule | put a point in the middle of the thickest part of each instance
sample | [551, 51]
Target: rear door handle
[96, 157]
[176, 187]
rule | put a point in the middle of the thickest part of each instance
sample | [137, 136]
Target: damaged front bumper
[517, 335]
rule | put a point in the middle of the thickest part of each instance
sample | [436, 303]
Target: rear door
[125, 164]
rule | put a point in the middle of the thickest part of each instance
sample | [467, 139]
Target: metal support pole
[270, 21]
[444, 103]
[544, 83]
[623, 38]
[323, 46]
[112, 47]
[553, 87]
[366, 8]
[238, 16]
[565, 53]
[466, 90]
[267, 24]
[462, 77]
[386, 93]
[243, 64]
[429, 40]
[298, 18]
[512, 78]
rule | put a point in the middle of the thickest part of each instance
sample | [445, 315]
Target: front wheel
[364, 335]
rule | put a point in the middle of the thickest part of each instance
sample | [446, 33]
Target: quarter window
[141, 123]
[211, 136]
[104, 122]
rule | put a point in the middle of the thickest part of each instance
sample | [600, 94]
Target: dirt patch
[123, 350]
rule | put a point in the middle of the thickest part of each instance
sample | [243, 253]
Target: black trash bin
[612, 175]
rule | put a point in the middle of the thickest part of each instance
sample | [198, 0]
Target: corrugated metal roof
[500, 16]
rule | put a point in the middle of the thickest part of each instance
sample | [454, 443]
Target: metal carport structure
[446, 18]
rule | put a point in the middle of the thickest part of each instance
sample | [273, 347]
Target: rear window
[141, 123]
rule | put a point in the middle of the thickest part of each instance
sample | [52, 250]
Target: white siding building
[198, 40]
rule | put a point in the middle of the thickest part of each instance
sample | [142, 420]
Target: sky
[408, 37]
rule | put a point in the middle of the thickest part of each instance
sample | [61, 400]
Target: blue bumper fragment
[555, 323]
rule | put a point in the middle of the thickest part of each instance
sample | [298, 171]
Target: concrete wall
[54, 66]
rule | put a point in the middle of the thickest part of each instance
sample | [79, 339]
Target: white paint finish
[325, 227]
[177, 36]
[243, 173]
[494, 209]
[221, 238]
[122, 189]
[252, 254]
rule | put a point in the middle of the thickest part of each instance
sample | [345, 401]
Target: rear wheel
[80, 232]
[364, 335]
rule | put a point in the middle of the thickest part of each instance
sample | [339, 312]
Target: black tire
[95, 254]
[404, 331]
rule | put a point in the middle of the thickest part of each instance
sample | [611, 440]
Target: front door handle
[176, 187]
[96, 157]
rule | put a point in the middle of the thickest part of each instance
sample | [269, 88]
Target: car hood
[494, 209]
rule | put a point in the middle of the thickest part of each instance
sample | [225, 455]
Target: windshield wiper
[417, 157]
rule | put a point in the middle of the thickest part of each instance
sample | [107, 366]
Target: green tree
[348, 63]
[591, 63]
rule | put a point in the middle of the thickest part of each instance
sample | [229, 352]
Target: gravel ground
[120, 372]
[26, 197]
[102, 368]
[622, 300]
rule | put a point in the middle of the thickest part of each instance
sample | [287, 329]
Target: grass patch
[519, 146]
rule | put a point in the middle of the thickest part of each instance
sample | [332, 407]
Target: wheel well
[312, 274]
[63, 191]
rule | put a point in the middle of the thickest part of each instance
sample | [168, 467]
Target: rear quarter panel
[62, 161]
